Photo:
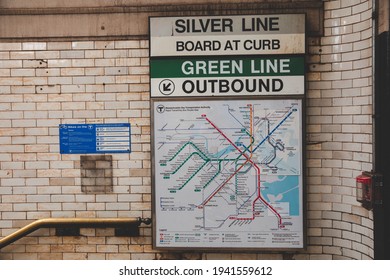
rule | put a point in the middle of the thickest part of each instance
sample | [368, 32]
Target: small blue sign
[95, 138]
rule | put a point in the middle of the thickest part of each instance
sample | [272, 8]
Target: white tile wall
[43, 84]
[345, 49]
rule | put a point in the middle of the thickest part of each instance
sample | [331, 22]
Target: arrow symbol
[166, 87]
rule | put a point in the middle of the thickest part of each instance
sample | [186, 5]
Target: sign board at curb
[227, 35]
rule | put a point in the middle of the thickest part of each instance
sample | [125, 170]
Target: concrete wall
[65, 77]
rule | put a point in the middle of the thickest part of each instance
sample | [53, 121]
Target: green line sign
[227, 76]
[227, 67]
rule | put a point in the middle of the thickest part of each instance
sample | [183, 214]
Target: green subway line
[187, 159]
[202, 155]
[215, 175]
[193, 175]
[206, 160]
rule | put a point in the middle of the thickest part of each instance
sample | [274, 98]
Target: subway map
[228, 174]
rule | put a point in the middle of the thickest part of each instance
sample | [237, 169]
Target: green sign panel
[227, 67]
[232, 76]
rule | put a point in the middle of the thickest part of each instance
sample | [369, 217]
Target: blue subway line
[265, 139]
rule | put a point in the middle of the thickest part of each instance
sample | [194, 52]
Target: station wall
[105, 79]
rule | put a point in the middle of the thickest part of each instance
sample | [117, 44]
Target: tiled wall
[43, 84]
[339, 130]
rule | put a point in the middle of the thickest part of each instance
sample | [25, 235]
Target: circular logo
[160, 108]
[166, 87]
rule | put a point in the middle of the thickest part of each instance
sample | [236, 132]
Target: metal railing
[73, 222]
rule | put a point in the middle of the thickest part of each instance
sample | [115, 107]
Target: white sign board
[228, 174]
[227, 35]
[226, 76]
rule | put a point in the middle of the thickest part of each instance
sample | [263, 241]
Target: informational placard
[227, 76]
[227, 35]
[227, 95]
[95, 138]
[228, 174]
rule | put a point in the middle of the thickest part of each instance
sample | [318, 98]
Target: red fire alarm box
[368, 189]
[364, 188]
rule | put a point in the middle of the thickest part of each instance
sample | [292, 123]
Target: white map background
[228, 173]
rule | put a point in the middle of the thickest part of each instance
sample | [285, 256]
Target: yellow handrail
[66, 222]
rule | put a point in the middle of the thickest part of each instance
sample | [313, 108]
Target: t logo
[160, 108]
